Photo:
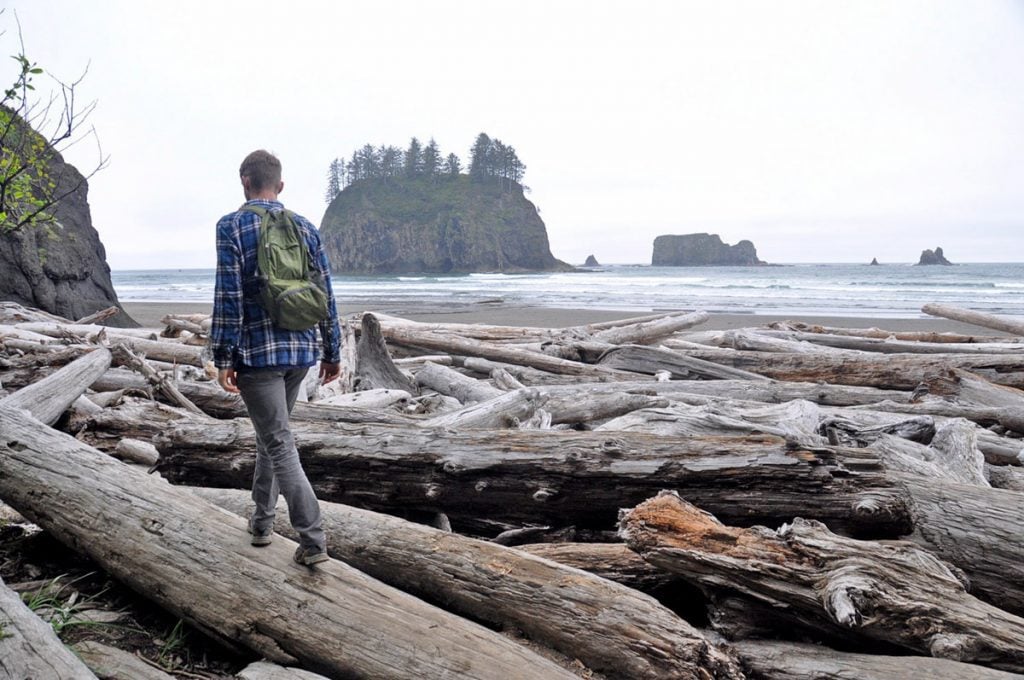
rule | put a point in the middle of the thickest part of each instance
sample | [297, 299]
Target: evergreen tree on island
[491, 160]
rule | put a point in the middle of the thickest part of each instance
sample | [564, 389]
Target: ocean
[852, 290]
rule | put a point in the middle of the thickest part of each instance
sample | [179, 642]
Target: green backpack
[291, 288]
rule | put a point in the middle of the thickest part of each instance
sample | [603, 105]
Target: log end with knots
[433, 491]
[543, 494]
[842, 593]
[951, 646]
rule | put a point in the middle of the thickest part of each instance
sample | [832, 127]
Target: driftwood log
[607, 626]
[892, 592]
[195, 560]
[29, 649]
[795, 661]
[52, 395]
[558, 478]
[999, 323]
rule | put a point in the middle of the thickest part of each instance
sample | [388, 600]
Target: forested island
[413, 210]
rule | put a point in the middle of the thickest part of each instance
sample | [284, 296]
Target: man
[266, 364]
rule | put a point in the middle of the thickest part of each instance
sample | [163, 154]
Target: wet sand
[149, 314]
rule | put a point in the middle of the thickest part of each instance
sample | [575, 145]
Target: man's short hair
[262, 168]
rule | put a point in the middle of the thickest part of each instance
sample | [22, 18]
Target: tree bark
[892, 592]
[29, 648]
[508, 409]
[110, 663]
[48, 398]
[557, 478]
[196, 561]
[607, 626]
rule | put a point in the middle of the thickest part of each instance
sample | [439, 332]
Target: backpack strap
[264, 215]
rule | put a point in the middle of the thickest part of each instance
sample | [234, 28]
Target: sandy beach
[148, 314]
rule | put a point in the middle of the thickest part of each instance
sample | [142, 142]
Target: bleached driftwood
[28, 646]
[52, 395]
[893, 592]
[1006, 324]
[454, 384]
[606, 626]
[184, 553]
[795, 661]
[647, 332]
[508, 409]
[650, 360]
[111, 663]
[559, 478]
[161, 382]
[374, 368]
[264, 670]
[612, 561]
[137, 451]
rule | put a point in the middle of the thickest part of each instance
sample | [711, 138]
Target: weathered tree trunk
[196, 561]
[613, 561]
[881, 334]
[640, 359]
[999, 323]
[1005, 477]
[456, 345]
[584, 408]
[608, 627]
[29, 649]
[454, 384]
[646, 332]
[893, 592]
[160, 382]
[892, 371]
[894, 346]
[374, 368]
[775, 660]
[977, 530]
[262, 670]
[508, 409]
[110, 663]
[138, 340]
[557, 478]
[52, 395]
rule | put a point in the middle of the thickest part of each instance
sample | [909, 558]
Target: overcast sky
[821, 131]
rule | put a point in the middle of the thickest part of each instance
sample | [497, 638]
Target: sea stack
[450, 225]
[933, 257]
[874, 261]
[591, 262]
[701, 250]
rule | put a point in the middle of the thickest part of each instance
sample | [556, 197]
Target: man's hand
[228, 380]
[329, 372]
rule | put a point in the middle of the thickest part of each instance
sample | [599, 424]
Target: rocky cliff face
[62, 267]
[443, 225]
[933, 257]
[701, 250]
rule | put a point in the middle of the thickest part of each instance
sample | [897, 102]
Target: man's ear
[280, 187]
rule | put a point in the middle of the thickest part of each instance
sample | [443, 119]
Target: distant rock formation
[445, 225]
[60, 268]
[874, 261]
[591, 262]
[701, 250]
[936, 257]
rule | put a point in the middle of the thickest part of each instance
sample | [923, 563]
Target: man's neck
[262, 196]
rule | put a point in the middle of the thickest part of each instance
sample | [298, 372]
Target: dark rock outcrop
[701, 250]
[61, 266]
[933, 257]
[874, 261]
[439, 225]
[591, 262]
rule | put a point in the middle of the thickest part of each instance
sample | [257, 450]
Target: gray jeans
[269, 396]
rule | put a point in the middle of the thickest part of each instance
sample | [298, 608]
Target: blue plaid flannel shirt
[242, 335]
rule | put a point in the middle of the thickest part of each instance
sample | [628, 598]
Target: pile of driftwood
[805, 501]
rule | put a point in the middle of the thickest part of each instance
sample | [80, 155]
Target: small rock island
[591, 262]
[930, 257]
[702, 250]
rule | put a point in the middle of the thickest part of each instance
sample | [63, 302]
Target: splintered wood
[838, 488]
